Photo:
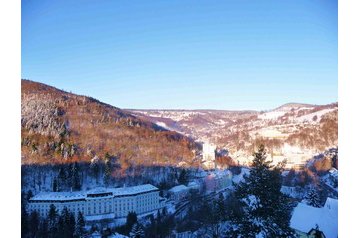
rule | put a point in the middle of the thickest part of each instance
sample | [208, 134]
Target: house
[218, 179]
[194, 186]
[209, 155]
[179, 192]
[307, 220]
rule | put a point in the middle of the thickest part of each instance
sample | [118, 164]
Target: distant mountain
[61, 127]
[303, 126]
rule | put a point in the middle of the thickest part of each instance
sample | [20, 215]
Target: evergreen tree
[52, 221]
[107, 170]
[106, 232]
[137, 231]
[95, 169]
[94, 228]
[313, 198]
[61, 181]
[151, 231]
[164, 211]
[69, 176]
[24, 222]
[34, 223]
[206, 212]
[67, 224]
[167, 225]
[131, 220]
[183, 177]
[80, 225]
[159, 217]
[29, 195]
[71, 225]
[43, 230]
[220, 208]
[266, 211]
[75, 176]
[55, 184]
[60, 226]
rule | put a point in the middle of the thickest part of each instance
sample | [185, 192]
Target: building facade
[209, 155]
[218, 179]
[179, 193]
[100, 203]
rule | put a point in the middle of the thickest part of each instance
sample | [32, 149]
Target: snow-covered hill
[306, 127]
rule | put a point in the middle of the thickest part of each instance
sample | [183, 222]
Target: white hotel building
[100, 203]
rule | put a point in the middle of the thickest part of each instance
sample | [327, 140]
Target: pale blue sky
[184, 54]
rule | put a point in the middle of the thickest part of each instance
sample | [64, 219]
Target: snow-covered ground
[292, 192]
[272, 115]
[309, 117]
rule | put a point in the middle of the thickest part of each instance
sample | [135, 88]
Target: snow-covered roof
[96, 234]
[178, 188]
[220, 174]
[306, 217]
[333, 172]
[291, 191]
[59, 196]
[132, 190]
[117, 235]
[240, 177]
[331, 205]
[80, 195]
[193, 184]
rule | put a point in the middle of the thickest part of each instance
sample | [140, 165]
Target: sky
[231, 55]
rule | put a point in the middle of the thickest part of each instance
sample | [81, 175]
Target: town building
[209, 155]
[307, 221]
[217, 180]
[178, 193]
[194, 186]
[100, 203]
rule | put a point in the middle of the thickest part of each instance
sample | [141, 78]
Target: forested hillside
[59, 127]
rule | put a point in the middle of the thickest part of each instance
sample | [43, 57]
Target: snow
[270, 133]
[289, 149]
[291, 192]
[306, 217]
[319, 114]
[220, 173]
[132, 190]
[59, 196]
[179, 188]
[96, 234]
[238, 178]
[100, 217]
[116, 235]
[162, 124]
[67, 196]
[252, 201]
[334, 172]
[193, 185]
[331, 179]
[272, 115]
